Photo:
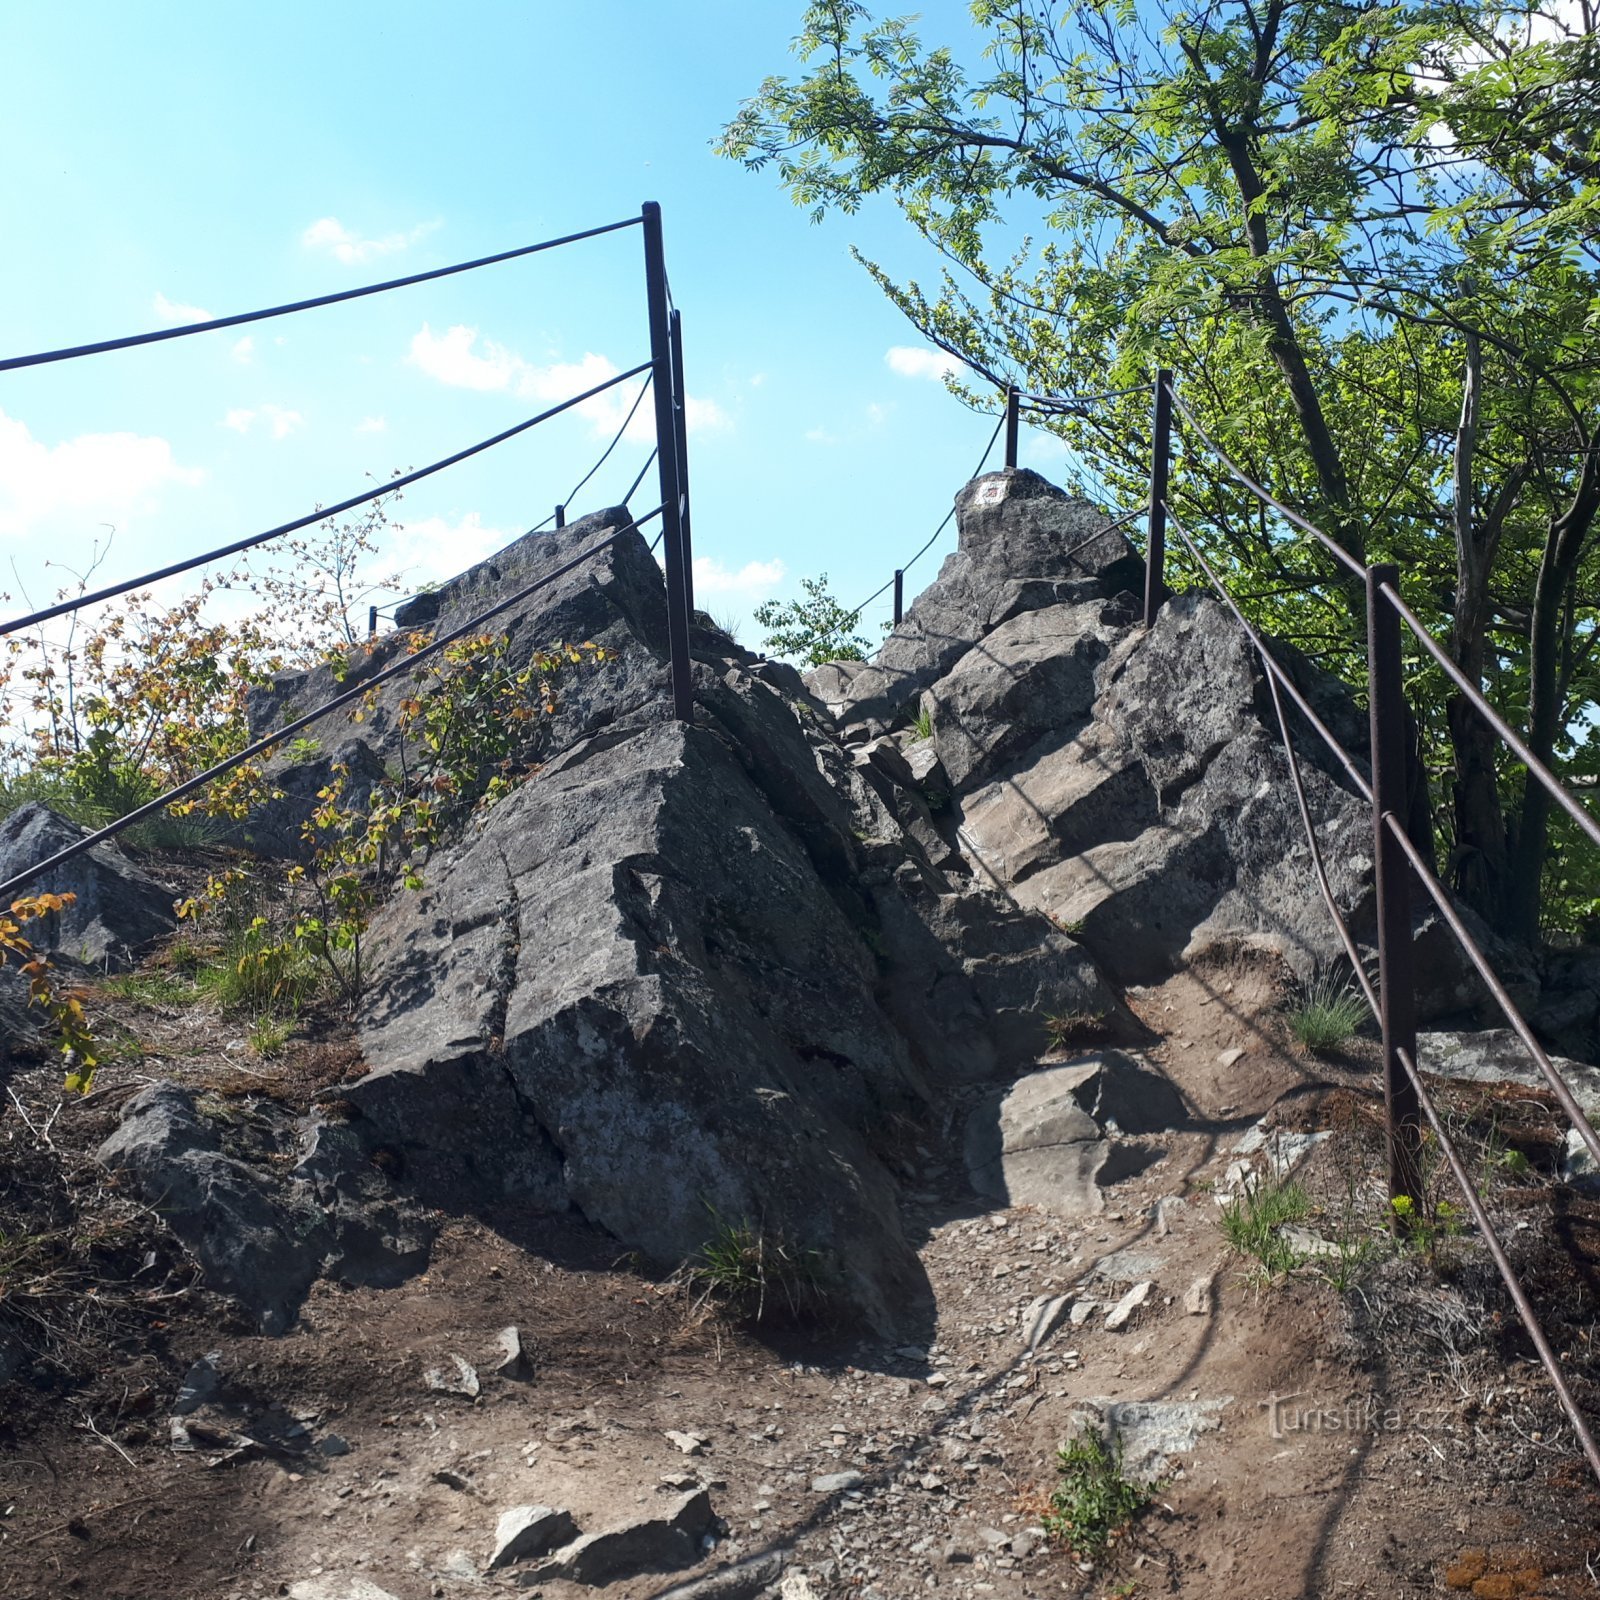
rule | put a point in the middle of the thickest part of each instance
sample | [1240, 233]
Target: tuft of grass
[1328, 1016]
[923, 725]
[1094, 1499]
[1251, 1222]
[1065, 1028]
[253, 971]
[755, 1274]
[150, 988]
[268, 1034]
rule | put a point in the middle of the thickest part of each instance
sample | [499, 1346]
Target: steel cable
[615, 441]
[978, 472]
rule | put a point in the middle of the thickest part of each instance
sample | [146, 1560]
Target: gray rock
[263, 1241]
[973, 979]
[1120, 1314]
[511, 1360]
[835, 1482]
[642, 964]
[1034, 675]
[1043, 1142]
[1036, 1145]
[1042, 1318]
[1497, 1055]
[1151, 1432]
[1197, 1297]
[649, 1544]
[527, 1531]
[120, 908]
[200, 1385]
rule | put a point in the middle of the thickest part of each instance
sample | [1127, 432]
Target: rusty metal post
[1155, 562]
[668, 463]
[1013, 416]
[680, 406]
[899, 594]
[561, 516]
[1396, 969]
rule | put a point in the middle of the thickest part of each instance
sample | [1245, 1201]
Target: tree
[1368, 240]
[813, 630]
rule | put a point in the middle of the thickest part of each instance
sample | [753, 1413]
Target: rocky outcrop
[1128, 783]
[119, 908]
[687, 978]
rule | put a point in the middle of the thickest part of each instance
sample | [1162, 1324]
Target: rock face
[119, 910]
[687, 979]
[1129, 784]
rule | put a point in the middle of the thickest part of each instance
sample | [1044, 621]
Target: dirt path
[1288, 1462]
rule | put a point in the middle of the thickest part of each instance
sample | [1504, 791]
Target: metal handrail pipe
[321, 514]
[1436, 893]
[1336, 550]
[1546, 777]
[211, 324]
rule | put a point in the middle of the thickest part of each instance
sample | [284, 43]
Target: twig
[41, 1134]
[105, 1438]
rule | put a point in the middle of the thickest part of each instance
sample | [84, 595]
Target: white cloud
[821, 436]
[913, 361]
[456, 357]
[450, 358]
[278, 420]
[94, 477]
[373, 425]
[173, 313]
[703, 416]
[432, 549]
[753, 578]
[331, 235]
[244, 351]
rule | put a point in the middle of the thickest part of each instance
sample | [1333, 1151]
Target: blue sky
[173, 159]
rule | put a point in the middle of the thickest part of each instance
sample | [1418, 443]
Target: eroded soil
[1371, 1424]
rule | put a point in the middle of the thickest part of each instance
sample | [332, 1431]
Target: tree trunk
[1562, 552]
[1480, 858]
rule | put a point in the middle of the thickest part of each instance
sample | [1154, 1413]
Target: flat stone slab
[1036, 1145]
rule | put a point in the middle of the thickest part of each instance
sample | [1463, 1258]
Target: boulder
[260, 1241]
[120, 908]
[1497, 1055]
[1047, 1140]
[684, 1014]
[663, 1543]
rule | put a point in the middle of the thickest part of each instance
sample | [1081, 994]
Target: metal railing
[1398, 862]
[663, 372]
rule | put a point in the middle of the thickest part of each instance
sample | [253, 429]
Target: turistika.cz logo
[1290, 1414]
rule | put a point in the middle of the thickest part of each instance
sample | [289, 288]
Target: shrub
[1094, 1499]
